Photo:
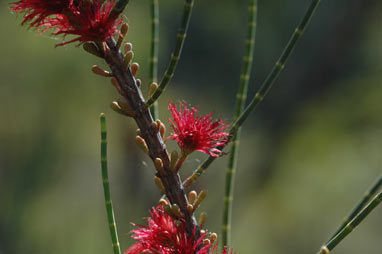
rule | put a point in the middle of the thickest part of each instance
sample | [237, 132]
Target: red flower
[37, 10]
[193, 132]
[164, 235]
[89, 20]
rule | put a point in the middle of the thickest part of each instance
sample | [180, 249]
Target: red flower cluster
[197, 133]
[36, 11]
[90, 20]
[164, 235]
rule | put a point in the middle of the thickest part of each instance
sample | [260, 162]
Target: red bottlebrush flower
[91, 21]
[37, 10]
[197, 133]
[164, 235]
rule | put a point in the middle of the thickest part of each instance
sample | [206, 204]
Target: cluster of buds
[120, 106]
[90, 20]
[195, 201]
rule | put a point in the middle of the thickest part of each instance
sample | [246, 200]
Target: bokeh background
[308, 153]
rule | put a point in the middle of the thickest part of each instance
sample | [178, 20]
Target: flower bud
[99, 71]
[154, 86]
[92, 49]
[134, 69]
[127, 47]
[202, 219]
[142, 144]
[192, 197]
[129, 55]
[202, 195]
[159, 184]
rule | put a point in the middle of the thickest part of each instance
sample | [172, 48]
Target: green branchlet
[240, 103]
[153, 72]
[181, 36]
[106, 188]
[330, 245]
[366, 198]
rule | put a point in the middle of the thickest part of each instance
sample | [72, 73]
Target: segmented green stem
[240, 103]
[154, 8]
[181, 36]
[351, 225]
[267, 84]
[106, 188]
[366, 198]
[118, 8]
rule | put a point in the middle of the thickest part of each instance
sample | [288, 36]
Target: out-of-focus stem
[240, 103]
[327, 248]
[106, 189]
[181, 36]
[154, 9]
[267, 84]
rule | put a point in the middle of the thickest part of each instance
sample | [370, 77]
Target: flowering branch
[262, 92]
[156, 149]
[95, 24]
[240, 103]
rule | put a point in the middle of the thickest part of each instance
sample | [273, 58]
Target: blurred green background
[308, 153]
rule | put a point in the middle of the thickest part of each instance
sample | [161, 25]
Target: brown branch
[157, 149]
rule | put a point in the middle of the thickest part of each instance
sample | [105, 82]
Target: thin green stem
[267, 84]
[240, 103]
[351, 225]
[154, 9]
[181, 36]
[106, 188]
[366, 198]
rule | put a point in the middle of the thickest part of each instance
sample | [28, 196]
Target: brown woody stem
[129, 90]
